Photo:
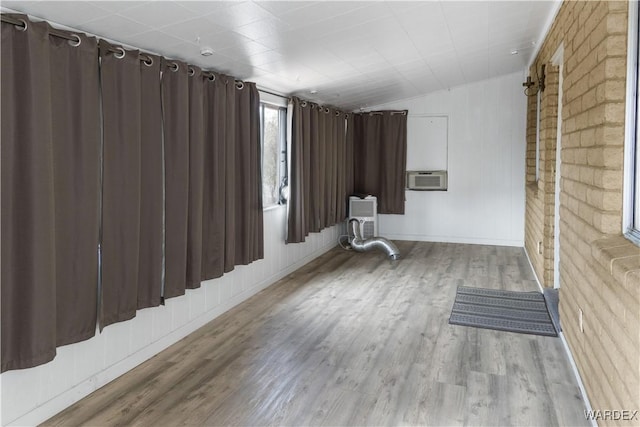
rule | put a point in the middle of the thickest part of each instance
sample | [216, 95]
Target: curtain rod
[371, 113]
[71, 36]
[67, 36]
[273, 93]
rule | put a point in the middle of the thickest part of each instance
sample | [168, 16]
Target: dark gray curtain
[175, 104]
[50, 136]
[232, 203]
[318, 185]
[313, 161]
[380, 152]
[28, 209]
[196, 170]
[298, 205]
[249, 234]
[76, 149]
[214, 201]
[121, 192]
[349, 158]
[341, 171]
[230, 188]
[71, 184]
[132, 184]
[151, 204]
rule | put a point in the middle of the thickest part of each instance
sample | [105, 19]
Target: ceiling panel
[112, 26]
[158, 14]
[353, 53]
[192, 29]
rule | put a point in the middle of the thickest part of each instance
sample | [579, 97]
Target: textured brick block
[617, 23]
[594, 37]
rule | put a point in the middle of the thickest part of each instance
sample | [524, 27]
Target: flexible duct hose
[361, 245]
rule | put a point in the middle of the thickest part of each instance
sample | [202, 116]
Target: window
[273, 123]
[631, 220]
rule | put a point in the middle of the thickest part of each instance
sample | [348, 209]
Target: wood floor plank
[353, 339]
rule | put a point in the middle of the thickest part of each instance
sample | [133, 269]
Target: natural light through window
[273, 153]
[632, 150]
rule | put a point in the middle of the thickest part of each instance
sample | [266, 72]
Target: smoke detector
[206, 51]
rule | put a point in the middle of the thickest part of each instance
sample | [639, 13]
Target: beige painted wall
[599, 268]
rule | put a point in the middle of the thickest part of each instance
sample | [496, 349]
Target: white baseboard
[452, 239]
[533, 270]
[567, 350]
[574, 367]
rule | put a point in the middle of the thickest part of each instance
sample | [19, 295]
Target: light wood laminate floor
[354, 339]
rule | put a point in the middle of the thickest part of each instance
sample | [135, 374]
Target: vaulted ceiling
[351, 54]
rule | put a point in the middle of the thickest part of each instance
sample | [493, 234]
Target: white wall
[30, 396]
[485, 200]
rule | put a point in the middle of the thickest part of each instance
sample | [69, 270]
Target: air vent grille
[362, 208]
[368, 229]
[428, 181]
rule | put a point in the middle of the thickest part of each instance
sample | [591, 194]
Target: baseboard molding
[50, 408]
[451, 239]
[533, 270]
[567, 350]
[574, 367]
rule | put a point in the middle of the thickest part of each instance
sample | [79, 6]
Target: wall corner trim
[543, 35]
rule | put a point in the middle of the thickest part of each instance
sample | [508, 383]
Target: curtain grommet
[191, 71]
[78, 41]
[326, 110]
[148, 62]
[120, 53]
[173, 66]
[24, 25]
[239, 84]
[212, 77]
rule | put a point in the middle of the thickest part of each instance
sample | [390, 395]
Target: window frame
[282, 169]
[631, 195]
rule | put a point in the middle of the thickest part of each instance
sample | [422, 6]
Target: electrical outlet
[540, 248]
[580, 320]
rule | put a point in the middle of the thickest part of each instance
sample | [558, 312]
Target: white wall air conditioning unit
[427, 180]
[366, 212]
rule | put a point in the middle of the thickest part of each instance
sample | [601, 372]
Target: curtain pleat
[349, 156]
[120, 81]
[319, 169]
[393, 162]
[380, 151]
[28, 210]
[341, 171]
[196, 183]
[232, 202]
[213, 225]
[151, 204]
[76, 137]
[248, 176]
[331, 143]
[297, 213]
[230, 185]
[312, 162]
[175, 108]
[321, 162]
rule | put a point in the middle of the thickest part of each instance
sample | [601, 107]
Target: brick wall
[599, 269]
[540, 192]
